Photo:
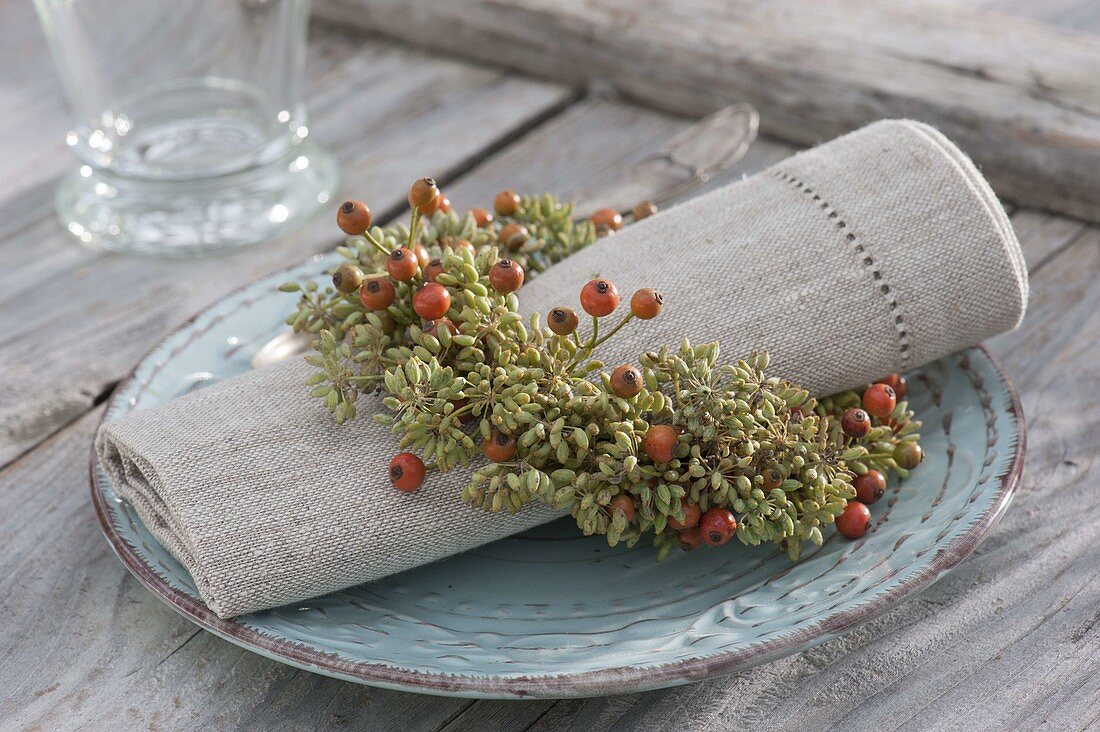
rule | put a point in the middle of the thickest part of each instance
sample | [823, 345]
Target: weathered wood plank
[1045, 235]
[1019, 96]
[500, 715]
[109, 309]
[1079, 15]
[606, 139]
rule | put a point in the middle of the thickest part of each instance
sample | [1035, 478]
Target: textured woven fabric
[877, 252]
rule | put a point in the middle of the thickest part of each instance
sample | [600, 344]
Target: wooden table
[1009, 640]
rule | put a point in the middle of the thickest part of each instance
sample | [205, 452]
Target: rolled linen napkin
[874, 253]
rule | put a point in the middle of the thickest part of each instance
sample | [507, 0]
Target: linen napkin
[877, 252]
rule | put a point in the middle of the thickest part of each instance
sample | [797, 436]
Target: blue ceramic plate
[549, 613]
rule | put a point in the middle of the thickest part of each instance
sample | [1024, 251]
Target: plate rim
[611, 680]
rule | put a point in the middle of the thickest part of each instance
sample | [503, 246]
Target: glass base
[184, 218]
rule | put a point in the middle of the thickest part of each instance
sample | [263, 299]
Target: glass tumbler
[189, 126]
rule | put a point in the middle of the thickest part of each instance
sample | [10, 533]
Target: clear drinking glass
[189, 125]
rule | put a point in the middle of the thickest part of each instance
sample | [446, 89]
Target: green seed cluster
[579, 446]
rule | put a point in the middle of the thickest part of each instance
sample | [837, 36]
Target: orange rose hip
[423, 193]
[377, 293]
[854, 521]
[660, 442]
[402, 264]
[513, 236]
[506, 276]
[406, 472]
[869, 487]
[353, 217]
[481, 217]
[691, 518]
[562, 321]
[432, 301]
[599, 298]
[879, 400]
[624, 503]
[506, 203]
[608, 218]
[499, 447]
[646, 303]
[626, 381]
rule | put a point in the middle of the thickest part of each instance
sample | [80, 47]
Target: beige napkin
[877, 252]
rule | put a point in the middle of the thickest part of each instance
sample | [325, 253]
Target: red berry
[660, 442]
[773, 478]
[898, 383]
[644, 210]
[402, 264]
[388, 324]
[870, 486]
[465, 417]
[433, 270]
[562, 321]
[458, 245]
[406, 472]
[439, 203]
[347, 278]
[879, 400]
[423, 193]
[599, 298]
[506, 276]
[624, 503]
[377, 293]
[646, 303]
[506, 203]
[481, 217]
[855, 520]
[353, 217]
[855, 422]
[691, 518]
[432, 301]
[499, 447]
[691, 538]
[908, 455]
[608, 218]
[718, 526]
[432, 327]
[513, 236]
[626, 381]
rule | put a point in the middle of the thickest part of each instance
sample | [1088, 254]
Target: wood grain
[1019, 96]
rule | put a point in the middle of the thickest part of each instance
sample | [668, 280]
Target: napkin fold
[877, 252]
